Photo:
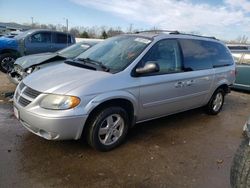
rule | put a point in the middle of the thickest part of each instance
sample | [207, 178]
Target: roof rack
[158, 31]
[196, 35]
[174, 33]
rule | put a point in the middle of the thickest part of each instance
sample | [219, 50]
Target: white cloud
[239, 4]
[179, 15]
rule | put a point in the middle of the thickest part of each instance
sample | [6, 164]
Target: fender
[99, 99]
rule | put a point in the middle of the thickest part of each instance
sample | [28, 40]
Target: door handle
[179, 84]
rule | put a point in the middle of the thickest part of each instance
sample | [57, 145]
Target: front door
[38, 43]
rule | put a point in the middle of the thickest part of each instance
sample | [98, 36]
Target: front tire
[108, 128]
[7, 62]
[240, 170]
[216, 102]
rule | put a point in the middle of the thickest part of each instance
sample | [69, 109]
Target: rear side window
[43, 37]
[200, 55]
[62, 38]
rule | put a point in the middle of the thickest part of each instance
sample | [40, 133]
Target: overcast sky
[226, 19]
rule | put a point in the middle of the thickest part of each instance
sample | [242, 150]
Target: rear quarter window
[62, 38]
[200, 55]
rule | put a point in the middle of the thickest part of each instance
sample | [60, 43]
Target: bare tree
[242, 39]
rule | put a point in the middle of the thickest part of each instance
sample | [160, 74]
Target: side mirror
[149, 67]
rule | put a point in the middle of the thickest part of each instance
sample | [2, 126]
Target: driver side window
[166, 53]
[42, 37]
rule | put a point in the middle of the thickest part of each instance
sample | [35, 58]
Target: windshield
[118, 52]
[242, 58]
[74, 50]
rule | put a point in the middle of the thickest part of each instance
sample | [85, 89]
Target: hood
[30, 60]
[8, 43]
[62, 78]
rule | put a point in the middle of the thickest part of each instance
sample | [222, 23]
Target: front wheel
[216, 102]
[7, 62]
[240, 170]
[108, 128]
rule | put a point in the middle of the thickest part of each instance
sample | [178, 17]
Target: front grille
[21, 86]
[31, 92]
[23, 102]
[25, 95]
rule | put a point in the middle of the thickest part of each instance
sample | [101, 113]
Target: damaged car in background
[25, 65]
[32, 41]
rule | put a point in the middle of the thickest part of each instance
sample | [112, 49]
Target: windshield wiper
[91, 61]
[78, 64]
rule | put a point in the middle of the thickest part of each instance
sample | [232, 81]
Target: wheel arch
[225, 88]
[123, 102]
[12, 51]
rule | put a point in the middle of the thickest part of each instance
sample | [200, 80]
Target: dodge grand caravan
[122, 81]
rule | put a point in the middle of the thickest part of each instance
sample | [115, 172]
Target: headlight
[29, 70]
[59, 102]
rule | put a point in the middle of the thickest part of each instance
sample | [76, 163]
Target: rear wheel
[216, 102]
[240, 170]
[108, 128]
[7, 62]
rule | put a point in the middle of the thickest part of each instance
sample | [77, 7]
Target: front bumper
[59, 128]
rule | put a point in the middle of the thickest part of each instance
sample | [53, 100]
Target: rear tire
[216, 102]
[108, 128]
[7, 62]
[240, 170]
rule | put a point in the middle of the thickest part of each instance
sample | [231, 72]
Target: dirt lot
[190, 149]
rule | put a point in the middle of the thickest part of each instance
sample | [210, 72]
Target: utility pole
[67, 30]
[32, 19]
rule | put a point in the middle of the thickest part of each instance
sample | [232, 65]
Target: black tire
[5, 65]
[97, 122]
[240, 170]
[210, 107]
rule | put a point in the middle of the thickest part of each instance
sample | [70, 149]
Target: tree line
[104, 32]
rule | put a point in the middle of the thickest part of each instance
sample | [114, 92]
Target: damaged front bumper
[15, 77]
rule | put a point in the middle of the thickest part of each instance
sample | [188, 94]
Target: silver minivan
[122, 81]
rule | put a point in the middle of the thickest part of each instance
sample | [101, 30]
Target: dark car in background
[25, 65]
[242, 59]
[31, 42]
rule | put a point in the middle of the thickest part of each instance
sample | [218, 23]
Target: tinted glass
[238, 47]
[117, 52]
[74, 50]
[43, 37]
[166, 54]
[199, 55]
[62, 38]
